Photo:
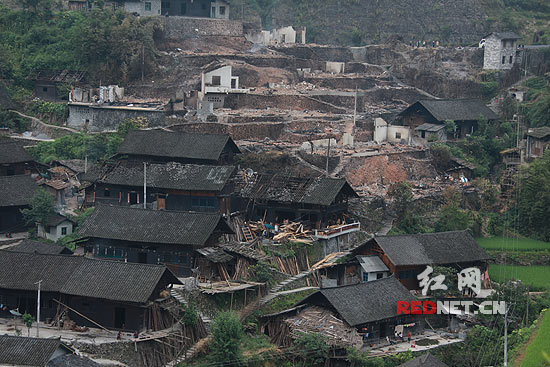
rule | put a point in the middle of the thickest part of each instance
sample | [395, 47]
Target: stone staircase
[177, 295]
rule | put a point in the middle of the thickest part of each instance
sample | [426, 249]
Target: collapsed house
[14, 160]
[171, 186]
[283, 35]
[460, 169]
[406, 256]
[365, 311]
[151, 236]
[186, 148]
[275, 198]
[76, 290]
[48, 84]
[16, 194]
[35, 352]
[427, 118]
[37, 247]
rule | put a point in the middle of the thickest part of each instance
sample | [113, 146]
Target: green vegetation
[41, 207]
[70, 240]
[311, 349]
[28, 320]
[536, 277]
[534, 354]
[512, 244]
[262, 272]
[189, 314]
[536, 108]
[227, 334]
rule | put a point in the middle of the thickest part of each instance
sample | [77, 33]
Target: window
[398, 135]
[213, 12]
[108, 251]
[106, 192]
[63, 231]
[423, 134]
[407, 274]
[379, 275]
[44, 89]
[504, 59]
[511, 59]
[365, 277]
[204, 202]
[222, 10]
[233, 83]
[147, 6]
[216, 80]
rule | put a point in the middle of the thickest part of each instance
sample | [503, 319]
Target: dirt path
[47, 129]
[521, 356]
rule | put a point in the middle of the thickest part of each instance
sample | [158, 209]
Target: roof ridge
[121, 207]
[360, 283]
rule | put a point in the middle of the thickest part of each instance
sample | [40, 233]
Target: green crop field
[536, 277]
[512, 244]
[533, 353]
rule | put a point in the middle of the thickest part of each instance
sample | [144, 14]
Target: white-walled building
[57, 226]
[500, 50]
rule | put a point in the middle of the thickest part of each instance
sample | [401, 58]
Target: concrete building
[500, 50]
[391, 133]
[218, 9]
[284, 35]
[217, 81]
[57, 226]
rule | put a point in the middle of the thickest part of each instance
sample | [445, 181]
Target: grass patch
[533, 353]
[513, 244]
[536, 277]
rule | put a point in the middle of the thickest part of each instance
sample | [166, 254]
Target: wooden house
[538, 141]
[151, 236]
[188, 148]
[114, 294]
[275, 198]
[47, 248]
[367, 308]
[14, 160]
[16, 194]
[406, 256]
[171, 186]
[33, 352]
[460, 168]
[428, 117]
[48, 84]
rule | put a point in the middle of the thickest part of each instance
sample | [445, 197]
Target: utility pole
[144, 185]
[506, 338]
[38, 310]
[355, 108]
[142, 60]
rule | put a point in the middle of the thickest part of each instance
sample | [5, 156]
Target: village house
[217, 80]
[276, 198]
[47, 248]
[16, 194]
[218, 9]
[187, 148]
[366, 309]
[57, 226]
[33, 352]
[500, 50]
[538, 141]
[14, 160]
[77, 289]
[406, 256]
[69, 167]
[430, 120]
[460, 169]
[171, 186]
[48, 84]
[151, 236]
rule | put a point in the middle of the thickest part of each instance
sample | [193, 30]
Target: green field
[512, 244]
[536, 277]
[533, 353]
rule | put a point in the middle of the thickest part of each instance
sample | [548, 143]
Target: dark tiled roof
[170, 175]
[431, 248]
[244, 250]
[539, 132]
[13, 153]
[54, 220]
[40, 248]
[71, 360]
[426, 360]
[215, 254]
[17, 190]
[152, 226]
[364, 302]
[319, 190]
[504, 35]
[21, 351]
[454, 109]
[158, 143]
[80, 276]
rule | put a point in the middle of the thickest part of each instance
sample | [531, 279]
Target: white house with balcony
[216, 82]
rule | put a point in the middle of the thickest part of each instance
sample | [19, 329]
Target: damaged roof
[17, 190]
[179, 145]
[11, 152]
[153, 226]
[215, 254]
[430, 248]
[81, 276]
[273, 187]
[21, 351]
[539, 132]
[426, 360]
[364, 302]
[171, 175]
[38, 247]
[452, 109]
[75, 165]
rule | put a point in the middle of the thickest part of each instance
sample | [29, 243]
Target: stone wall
[98, 119]
[181, 28]
[494, 53]
[292, 102]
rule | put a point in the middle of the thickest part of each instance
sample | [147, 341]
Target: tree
[362, 359]
[401, 193]
[28, 320]
[42, 207]
[441, 157]
[311, 349]
[227, 333]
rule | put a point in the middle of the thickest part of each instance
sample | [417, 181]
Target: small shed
[57, 226]
[538, 141]
[372, 268]
[461, 169]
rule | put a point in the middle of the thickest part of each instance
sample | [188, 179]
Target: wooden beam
[87, 318]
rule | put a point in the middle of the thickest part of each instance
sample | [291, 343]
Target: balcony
[329, 233]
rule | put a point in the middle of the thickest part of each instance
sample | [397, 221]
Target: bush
[42, 206]
[227, 333]
[189, 315]
[311, 349]
[262, 272]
